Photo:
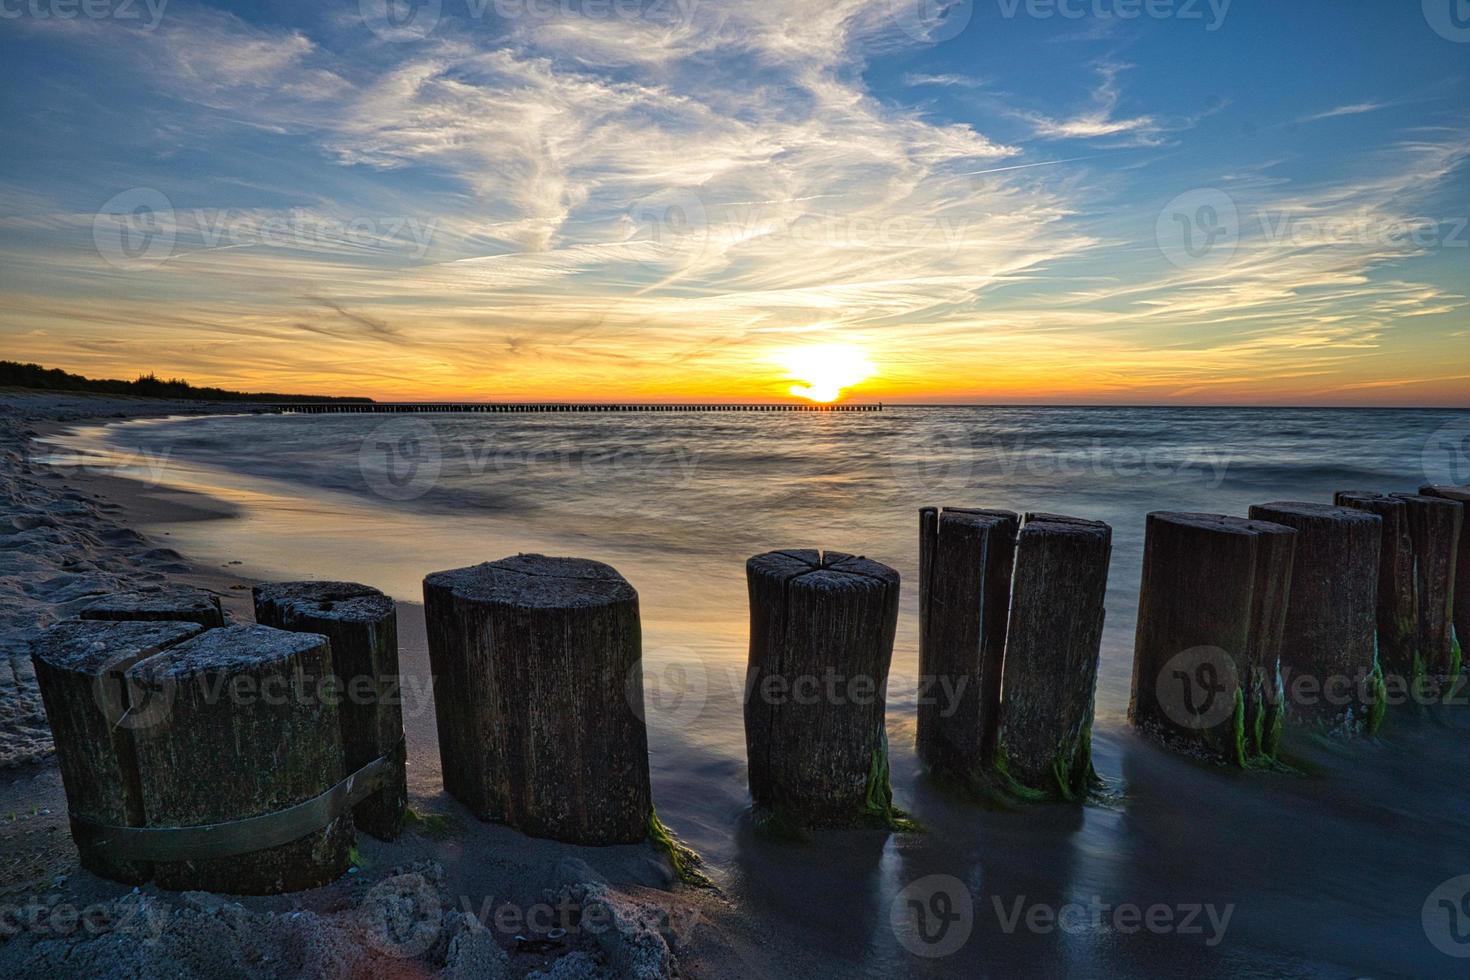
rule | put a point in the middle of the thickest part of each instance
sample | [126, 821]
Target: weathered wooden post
[1044, 746]
[247, 734]
[1397, 610]
[1435, 526]
[534, 662]
[1328, 647]
[821, 640]
[1207, 649]
[1461, 496]
[167, 605]
[965, 562]
[80, 668]
[362, 625]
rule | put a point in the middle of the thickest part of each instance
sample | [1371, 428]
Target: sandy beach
[415, 908]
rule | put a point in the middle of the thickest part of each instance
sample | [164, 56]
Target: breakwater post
[362, 625]
[1461, 496]
[80, 668]
[822, 626]
[1054, 636]
[182, 604]
[965, 563]
[1207, 648]
[1397, 610]
[1328, 646]
[1435, 526]
[538, 694]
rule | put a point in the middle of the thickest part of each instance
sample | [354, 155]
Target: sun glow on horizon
[823, 372]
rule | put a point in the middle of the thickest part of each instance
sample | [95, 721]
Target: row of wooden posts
[180, 766]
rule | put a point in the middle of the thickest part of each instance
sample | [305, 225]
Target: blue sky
[987, 201]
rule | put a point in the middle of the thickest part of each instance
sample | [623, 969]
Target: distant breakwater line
[415, 408]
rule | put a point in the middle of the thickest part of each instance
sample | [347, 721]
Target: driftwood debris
[965, 562]
[821, 641]
[362, 625]
[538, 694]
[1054, 637]
[1207, 649]
[1328, 650]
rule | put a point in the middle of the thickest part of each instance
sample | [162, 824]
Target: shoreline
[455, 909]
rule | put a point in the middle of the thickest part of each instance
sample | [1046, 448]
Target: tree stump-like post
[246, 733]
[1207, 649]
[1397, 603]
[538, 695]
[1461, 496]
[965, 562]
[167, 605]
[1435, 526]
[1044, 745]
[1328, 649]
[79, 668]
[821, 642]
[362, 625]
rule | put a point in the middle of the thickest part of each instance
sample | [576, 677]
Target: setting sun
[823, 372]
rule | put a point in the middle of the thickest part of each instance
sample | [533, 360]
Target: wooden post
[1461, 496]
[1435, 526]
[965, 562]
[1328, 647]
[247, 733]
[821, 640]
[535, 686]
[1397, 611]
[362, 625]
[168, 605]
[1207, 649]
[1044, 746]
[79, 668]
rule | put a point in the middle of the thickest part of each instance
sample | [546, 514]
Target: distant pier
[416, 408]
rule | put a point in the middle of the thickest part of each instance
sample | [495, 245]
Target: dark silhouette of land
[17, 375]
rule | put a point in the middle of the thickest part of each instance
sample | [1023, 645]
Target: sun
[822, 372]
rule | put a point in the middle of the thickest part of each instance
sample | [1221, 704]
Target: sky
[1051, 201]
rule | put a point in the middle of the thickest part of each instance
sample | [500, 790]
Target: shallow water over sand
[1323, 873]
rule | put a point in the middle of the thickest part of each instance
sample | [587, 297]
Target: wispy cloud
[1354, 109]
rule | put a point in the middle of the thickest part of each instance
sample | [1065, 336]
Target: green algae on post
[684, 859]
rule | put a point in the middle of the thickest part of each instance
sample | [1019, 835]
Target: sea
[1354, 861]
